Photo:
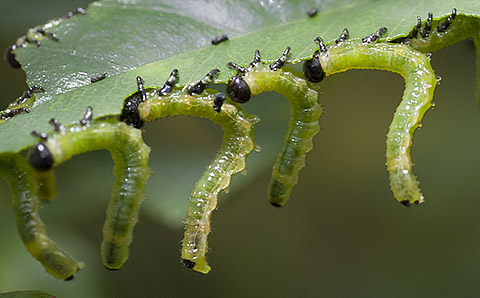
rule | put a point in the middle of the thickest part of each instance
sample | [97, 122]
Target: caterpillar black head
[40, 157]
[312, 68]
[237, 89]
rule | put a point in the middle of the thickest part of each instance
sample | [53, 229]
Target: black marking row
[23, 41]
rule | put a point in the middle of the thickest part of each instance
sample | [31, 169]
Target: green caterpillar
[229, 160]
[303, 124]
[420, 82]
[131, 171]
[16, 170]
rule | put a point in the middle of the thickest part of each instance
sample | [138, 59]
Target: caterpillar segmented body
[420, 82]
[131, 171]
[303, 123]
[229, 160]
[16, 170]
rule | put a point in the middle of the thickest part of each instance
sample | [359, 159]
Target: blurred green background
[341, 235]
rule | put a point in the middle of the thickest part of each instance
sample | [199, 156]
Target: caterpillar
[420, 82]
[230, 159]
[131, 171]
[303, 124]
[123, 136]
[16, 170]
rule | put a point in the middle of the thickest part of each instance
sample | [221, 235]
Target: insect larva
[229, 160]
[131, 171]
[420, 82]
[303, 123]
[16, 170]
[218, 39]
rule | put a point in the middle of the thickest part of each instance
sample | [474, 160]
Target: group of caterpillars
[34, 179]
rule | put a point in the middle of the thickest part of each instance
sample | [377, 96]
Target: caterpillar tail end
[279, 193]
[405, 188]
[199, 266]
[114, 255]
[59, 264]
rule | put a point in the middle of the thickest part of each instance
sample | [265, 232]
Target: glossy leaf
[133, 48]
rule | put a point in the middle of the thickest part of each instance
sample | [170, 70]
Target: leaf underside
[148, 39]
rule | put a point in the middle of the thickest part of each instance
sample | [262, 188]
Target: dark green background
[341, 235]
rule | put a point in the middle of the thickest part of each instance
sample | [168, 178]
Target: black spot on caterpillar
[374, 36]
[218, 102]
[303, 124]
[5, 115]
[440, 33]
[444, 26]
[170, 83]
[16, 170]
[342, 36]
[203, 83]
[21, 105]
[99, 77]
[218, 39]
[131, 171]
[50, 35]
[29, 93]
[281, 61]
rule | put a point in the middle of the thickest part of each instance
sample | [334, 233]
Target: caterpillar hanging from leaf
[122, 136]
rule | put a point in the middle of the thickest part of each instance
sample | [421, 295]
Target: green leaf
[149, 39]
[26, 294]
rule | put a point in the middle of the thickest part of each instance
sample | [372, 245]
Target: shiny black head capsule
[40, 157]
[238, 90]
[130, 114]
[313, 69]
[11, 58]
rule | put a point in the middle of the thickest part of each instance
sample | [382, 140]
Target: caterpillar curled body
[420, 82]
[303, 124]
[238, 142]
[131, 171]
[16, 170]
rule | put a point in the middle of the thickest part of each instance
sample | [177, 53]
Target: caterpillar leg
[16, 170]
[130, 155]
[420, 82]
[229, 160]
[303, 124]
